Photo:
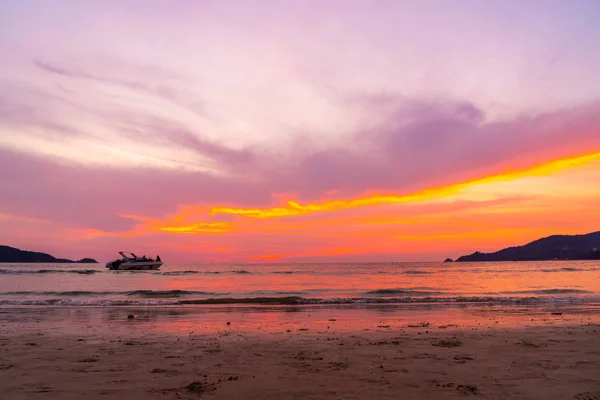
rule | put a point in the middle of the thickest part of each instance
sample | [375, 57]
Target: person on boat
[157, 258]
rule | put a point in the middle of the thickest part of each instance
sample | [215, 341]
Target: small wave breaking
[549, 291]
[168, 293]
[403, 292]
[49, 271]
[133, 293]
[565, 269]
[178, 273]
[95, 271]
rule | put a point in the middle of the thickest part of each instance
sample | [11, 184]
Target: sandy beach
[554, 357]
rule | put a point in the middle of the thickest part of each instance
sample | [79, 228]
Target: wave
[95, 271]
[171, 273]
[85, 303]
[133, 293]
[49, 271]
[425, 300]
[403, 292]
[168, 293]
[482, 270]
[549, 291]
[176, 273]
[565, 269]
[81, 293]
[396, 271]
[289, 300]
[270, 293]
[291, 293]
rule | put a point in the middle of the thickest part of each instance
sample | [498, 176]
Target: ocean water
[510, 283]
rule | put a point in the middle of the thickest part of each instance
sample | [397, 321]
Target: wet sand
[550, 358]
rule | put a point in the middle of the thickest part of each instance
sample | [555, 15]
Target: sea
[201, 285]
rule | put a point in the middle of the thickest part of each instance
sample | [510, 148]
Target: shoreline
[165, 298]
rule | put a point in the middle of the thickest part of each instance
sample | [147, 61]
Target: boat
[131, 262]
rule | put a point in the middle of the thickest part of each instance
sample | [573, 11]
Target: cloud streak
[161, 91]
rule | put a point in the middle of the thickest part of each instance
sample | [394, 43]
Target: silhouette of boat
[131, 262]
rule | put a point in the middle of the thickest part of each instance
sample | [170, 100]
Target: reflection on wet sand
[268, 319]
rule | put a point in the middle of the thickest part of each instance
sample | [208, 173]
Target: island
[556, 247]
[14, 255]
[448, 260]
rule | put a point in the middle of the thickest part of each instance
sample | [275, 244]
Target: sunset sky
[279, 131]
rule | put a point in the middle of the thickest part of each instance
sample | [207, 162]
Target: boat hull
[135, 266]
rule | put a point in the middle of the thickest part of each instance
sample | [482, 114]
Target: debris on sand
[89, 360]
[587, 396]
[420, 325]
[195, 387]
[529, 344]
[447, 326]
[463, 358]
[199, 388]
[467, 389]
[447, 343]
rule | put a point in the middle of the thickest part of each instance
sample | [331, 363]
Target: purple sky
[110, 109]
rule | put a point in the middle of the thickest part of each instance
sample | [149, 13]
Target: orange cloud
[198, 227]
[294, 208]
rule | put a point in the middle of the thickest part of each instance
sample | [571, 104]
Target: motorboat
[131, 262]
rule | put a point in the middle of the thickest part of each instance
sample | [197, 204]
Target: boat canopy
[128, 256]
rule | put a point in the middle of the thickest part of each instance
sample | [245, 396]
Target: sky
[285, 131]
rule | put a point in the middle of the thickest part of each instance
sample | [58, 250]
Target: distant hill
[559, 247]
[11, 254]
